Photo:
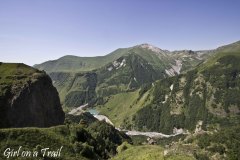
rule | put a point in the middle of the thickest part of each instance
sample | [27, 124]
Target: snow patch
[135, 79]
[118, 65]
[115, 64]
[166, 98]
[110, 68]
[123, 63]
[171, 87]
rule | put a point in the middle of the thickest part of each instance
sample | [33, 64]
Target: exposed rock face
[31, 101]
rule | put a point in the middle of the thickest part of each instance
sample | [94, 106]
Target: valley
[124, 70]
[80, 110]
[166, 105]
[119, 80]
[148, 92]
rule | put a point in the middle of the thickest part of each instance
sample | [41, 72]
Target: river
[96, 114]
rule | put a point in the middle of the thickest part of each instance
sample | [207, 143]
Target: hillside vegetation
[88, 140]
[76, 64]
[209, 93]
[14, 73]
[146, 152]
[155, 56]
[81, 80]
[121, 107]
[141, 88]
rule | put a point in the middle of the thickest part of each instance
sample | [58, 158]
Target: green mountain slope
[75, 64]
[90, 140]
[120, 108]
[14, 72]
[120, 71]
[155, 56]
[125, 74]
[210, 93]
[151, 152]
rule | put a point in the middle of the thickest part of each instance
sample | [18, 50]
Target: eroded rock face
[30, 102]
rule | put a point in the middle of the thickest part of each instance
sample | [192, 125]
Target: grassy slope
[209, 93]
[76, 64]
[213, 60]
[144, 152]
[221, 144]
[30, 138]
[13, 71]
[121, 107]
[90, 140]
[144, 63]
[147, 152]
[73, 87]
[16, 74]
[231, 49]
[158, 61]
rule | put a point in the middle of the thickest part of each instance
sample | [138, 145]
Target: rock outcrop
[28, 98]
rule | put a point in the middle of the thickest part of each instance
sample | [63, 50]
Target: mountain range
[81, 80]
[147, 88]
[192, 96]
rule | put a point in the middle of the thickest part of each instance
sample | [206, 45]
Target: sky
[34, 31]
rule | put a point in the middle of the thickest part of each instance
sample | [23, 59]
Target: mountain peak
[151, 47]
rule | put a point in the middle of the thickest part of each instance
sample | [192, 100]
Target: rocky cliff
[27, 98]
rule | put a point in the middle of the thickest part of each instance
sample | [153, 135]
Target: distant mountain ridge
[149, 89]
[208, 93]
[72, 63]
[81, 80]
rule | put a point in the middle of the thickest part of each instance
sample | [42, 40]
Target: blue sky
[33, 31]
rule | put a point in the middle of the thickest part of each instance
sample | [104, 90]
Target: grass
[91, 140]
[15, 68]
[71, 63]
[179, 157]
[123, 106]
[232, 49]
[143, 152]
[66, 73]
[14, 71]
[214, 59]
[16, 74]
[147, 152]
[30, 138]
[77, 64]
